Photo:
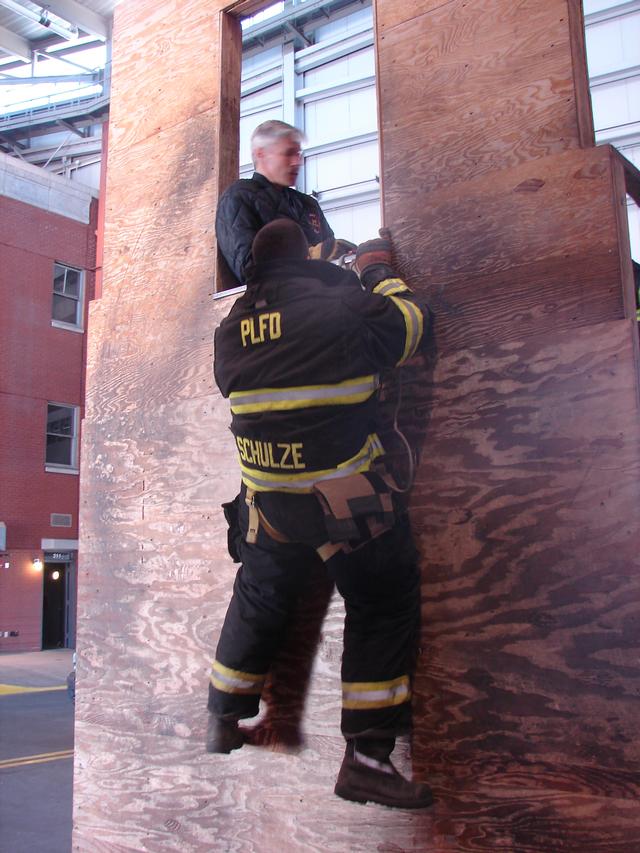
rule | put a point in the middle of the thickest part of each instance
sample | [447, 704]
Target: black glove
[373, 259]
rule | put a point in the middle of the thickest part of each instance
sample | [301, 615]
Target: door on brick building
[58, 605]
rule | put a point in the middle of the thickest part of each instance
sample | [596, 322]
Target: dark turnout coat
[250, 203]
[299, 356]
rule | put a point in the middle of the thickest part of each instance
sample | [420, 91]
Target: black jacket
[250, 203]
[299, 356]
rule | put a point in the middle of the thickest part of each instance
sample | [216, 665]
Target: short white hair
[270, 131]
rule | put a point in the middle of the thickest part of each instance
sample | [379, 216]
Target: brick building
[47, 271]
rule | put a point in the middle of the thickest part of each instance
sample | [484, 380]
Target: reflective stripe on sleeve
[234, 681]
[263, 481]
[364, 695]
[414, 326]
[345, 393]
[391, 286]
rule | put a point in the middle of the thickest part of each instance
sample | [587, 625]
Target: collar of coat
[266, 276]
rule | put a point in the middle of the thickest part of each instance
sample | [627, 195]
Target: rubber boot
[223, 735]
[364, 779]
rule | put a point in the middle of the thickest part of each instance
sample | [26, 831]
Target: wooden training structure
[526, 497]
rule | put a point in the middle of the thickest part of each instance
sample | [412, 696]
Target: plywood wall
[524, 504]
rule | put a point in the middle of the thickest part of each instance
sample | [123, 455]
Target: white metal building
[308, 62]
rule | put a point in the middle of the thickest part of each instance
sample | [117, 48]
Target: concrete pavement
[36, 752]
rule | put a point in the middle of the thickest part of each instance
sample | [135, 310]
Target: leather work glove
[331, 249]
[373, 259]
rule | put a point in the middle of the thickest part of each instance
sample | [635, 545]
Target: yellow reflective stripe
[263, 481]
[235, 681]
[390, 286]
[345, 393]
[363, 695]
[414, 325]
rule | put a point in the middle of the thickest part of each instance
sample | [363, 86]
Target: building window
[67, 297]
[62, 438]
[322, 79]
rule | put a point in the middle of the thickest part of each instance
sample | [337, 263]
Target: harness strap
[328, 550]
[256, 518]
[270, 529]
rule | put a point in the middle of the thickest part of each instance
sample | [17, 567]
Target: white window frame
[54, 467]
[78, 326]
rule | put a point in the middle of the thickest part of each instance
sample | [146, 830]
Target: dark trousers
[380, 586]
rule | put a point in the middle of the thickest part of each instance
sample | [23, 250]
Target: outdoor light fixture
[7, 564]
[37, 564]
[55, 575]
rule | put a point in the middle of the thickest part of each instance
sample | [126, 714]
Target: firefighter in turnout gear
[299, 356]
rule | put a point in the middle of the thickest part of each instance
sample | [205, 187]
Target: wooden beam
[228, 135]
[632, 177]
[582, 92]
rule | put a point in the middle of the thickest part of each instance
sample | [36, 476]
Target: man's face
[280, 161]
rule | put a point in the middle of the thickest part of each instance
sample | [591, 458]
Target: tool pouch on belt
[357, 508]
[231, 513]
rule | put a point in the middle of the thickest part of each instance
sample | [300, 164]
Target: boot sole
[224, 748]
[356, 797]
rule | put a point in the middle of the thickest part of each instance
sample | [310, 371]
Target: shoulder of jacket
[242, 186]
[305, 198]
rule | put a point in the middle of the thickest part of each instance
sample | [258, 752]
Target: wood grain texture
[524, 504]
[490, 253]
[483, 87]
[151, 70]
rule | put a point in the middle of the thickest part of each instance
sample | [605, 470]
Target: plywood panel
[162, 90]
[516, 252]
[527, 425]
[471, 88]
[532, 578]
[516, 606]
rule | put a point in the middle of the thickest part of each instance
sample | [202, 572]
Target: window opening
[318, 73]
[67, 296]
[313, 66]
[61, 437]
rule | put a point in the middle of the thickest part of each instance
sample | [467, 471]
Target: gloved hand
[373, 259]
[330, 249]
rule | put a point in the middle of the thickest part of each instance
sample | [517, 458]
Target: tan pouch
[356, 508]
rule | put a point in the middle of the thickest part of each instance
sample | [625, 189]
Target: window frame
[57, 467]
[78, 326]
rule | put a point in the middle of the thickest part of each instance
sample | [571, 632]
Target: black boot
[364, 779]
[223, 735]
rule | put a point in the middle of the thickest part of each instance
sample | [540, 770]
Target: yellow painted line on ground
[10, 689]
[24, 761]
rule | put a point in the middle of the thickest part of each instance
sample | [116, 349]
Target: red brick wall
[38, 363]
[20, 602]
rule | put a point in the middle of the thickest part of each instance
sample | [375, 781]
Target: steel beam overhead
[57, 78]
[14, 44]
[41, 18]
[70, 126]
[85, 19]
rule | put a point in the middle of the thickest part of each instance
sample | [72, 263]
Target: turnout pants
[380, 586]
